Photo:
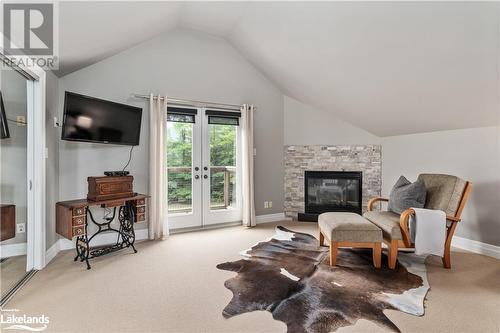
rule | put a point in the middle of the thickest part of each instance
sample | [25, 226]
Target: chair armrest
[452, 218]
[404, 219]
[373, 201]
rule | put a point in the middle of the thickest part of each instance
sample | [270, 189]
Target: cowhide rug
[289, 275]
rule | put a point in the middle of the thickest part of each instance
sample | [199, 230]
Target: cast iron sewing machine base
[125, 234]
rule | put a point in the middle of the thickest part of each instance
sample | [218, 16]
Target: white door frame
[201, 215]
[36, 171]
[35, 224]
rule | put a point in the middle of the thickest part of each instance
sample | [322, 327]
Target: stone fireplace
[338, 178]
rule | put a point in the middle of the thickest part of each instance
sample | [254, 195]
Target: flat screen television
[90, 119]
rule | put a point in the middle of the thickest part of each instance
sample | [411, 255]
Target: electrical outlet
[20, 120]
[21, 227]
[266, 204]
[270, 204]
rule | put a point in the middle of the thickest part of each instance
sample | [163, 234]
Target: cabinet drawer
[78, 231]
[78, 211]
[141, 202]
[141, 210]
[140, 217]
[79, 220]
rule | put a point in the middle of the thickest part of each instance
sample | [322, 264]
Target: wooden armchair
[444, 192]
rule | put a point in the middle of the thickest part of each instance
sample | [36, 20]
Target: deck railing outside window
[222, 188]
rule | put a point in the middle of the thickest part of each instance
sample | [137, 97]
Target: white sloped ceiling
[390, 68]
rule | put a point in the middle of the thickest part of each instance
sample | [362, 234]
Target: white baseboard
[105, 239]
[52, 252]
[476, 247]
[12, 250]
[271, 218]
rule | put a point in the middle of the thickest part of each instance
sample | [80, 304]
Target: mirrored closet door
[14, 150]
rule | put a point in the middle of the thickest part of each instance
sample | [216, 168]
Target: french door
[203, 162]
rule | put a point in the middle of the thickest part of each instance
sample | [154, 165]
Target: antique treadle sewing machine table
[72, 219]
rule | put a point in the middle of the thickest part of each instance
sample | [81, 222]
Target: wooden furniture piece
[72, 220]
[106, 188]
[350, 230]
[444, 192]
[7, 222]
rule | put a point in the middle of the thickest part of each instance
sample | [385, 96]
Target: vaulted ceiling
[390, 67]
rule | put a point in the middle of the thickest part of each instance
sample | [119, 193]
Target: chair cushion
[443, 192]
[348, 227]
[406, 194]
[387, 221]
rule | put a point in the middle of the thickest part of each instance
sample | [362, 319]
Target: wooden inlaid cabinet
[7, 222]
[71, 216]
[140, 210]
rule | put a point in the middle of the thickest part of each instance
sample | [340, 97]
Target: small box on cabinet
[107, 188]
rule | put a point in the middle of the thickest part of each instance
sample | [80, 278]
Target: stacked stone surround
[364, 158]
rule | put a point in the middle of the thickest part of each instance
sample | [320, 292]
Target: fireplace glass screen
[335, 192]
[330, 191]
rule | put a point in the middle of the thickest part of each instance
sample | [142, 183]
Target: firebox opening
[331, 191]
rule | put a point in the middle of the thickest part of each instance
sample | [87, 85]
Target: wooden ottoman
[350, 230]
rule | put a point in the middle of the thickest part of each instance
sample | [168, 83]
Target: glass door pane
[180, 167]
[222, 166]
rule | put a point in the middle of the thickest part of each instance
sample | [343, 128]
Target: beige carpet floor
[173, 286]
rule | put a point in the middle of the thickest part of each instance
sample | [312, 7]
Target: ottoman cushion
[348, 227]
[387, 221]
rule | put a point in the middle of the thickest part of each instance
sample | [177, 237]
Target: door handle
[196, 177]
[205, 176]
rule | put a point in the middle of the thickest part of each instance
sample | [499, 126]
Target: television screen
[90, 119]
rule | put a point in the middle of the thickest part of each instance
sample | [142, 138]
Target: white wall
[52, 137]
[306, 125]
[472, 154]
[183, 64]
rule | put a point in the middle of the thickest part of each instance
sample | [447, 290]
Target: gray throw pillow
[406, 194]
